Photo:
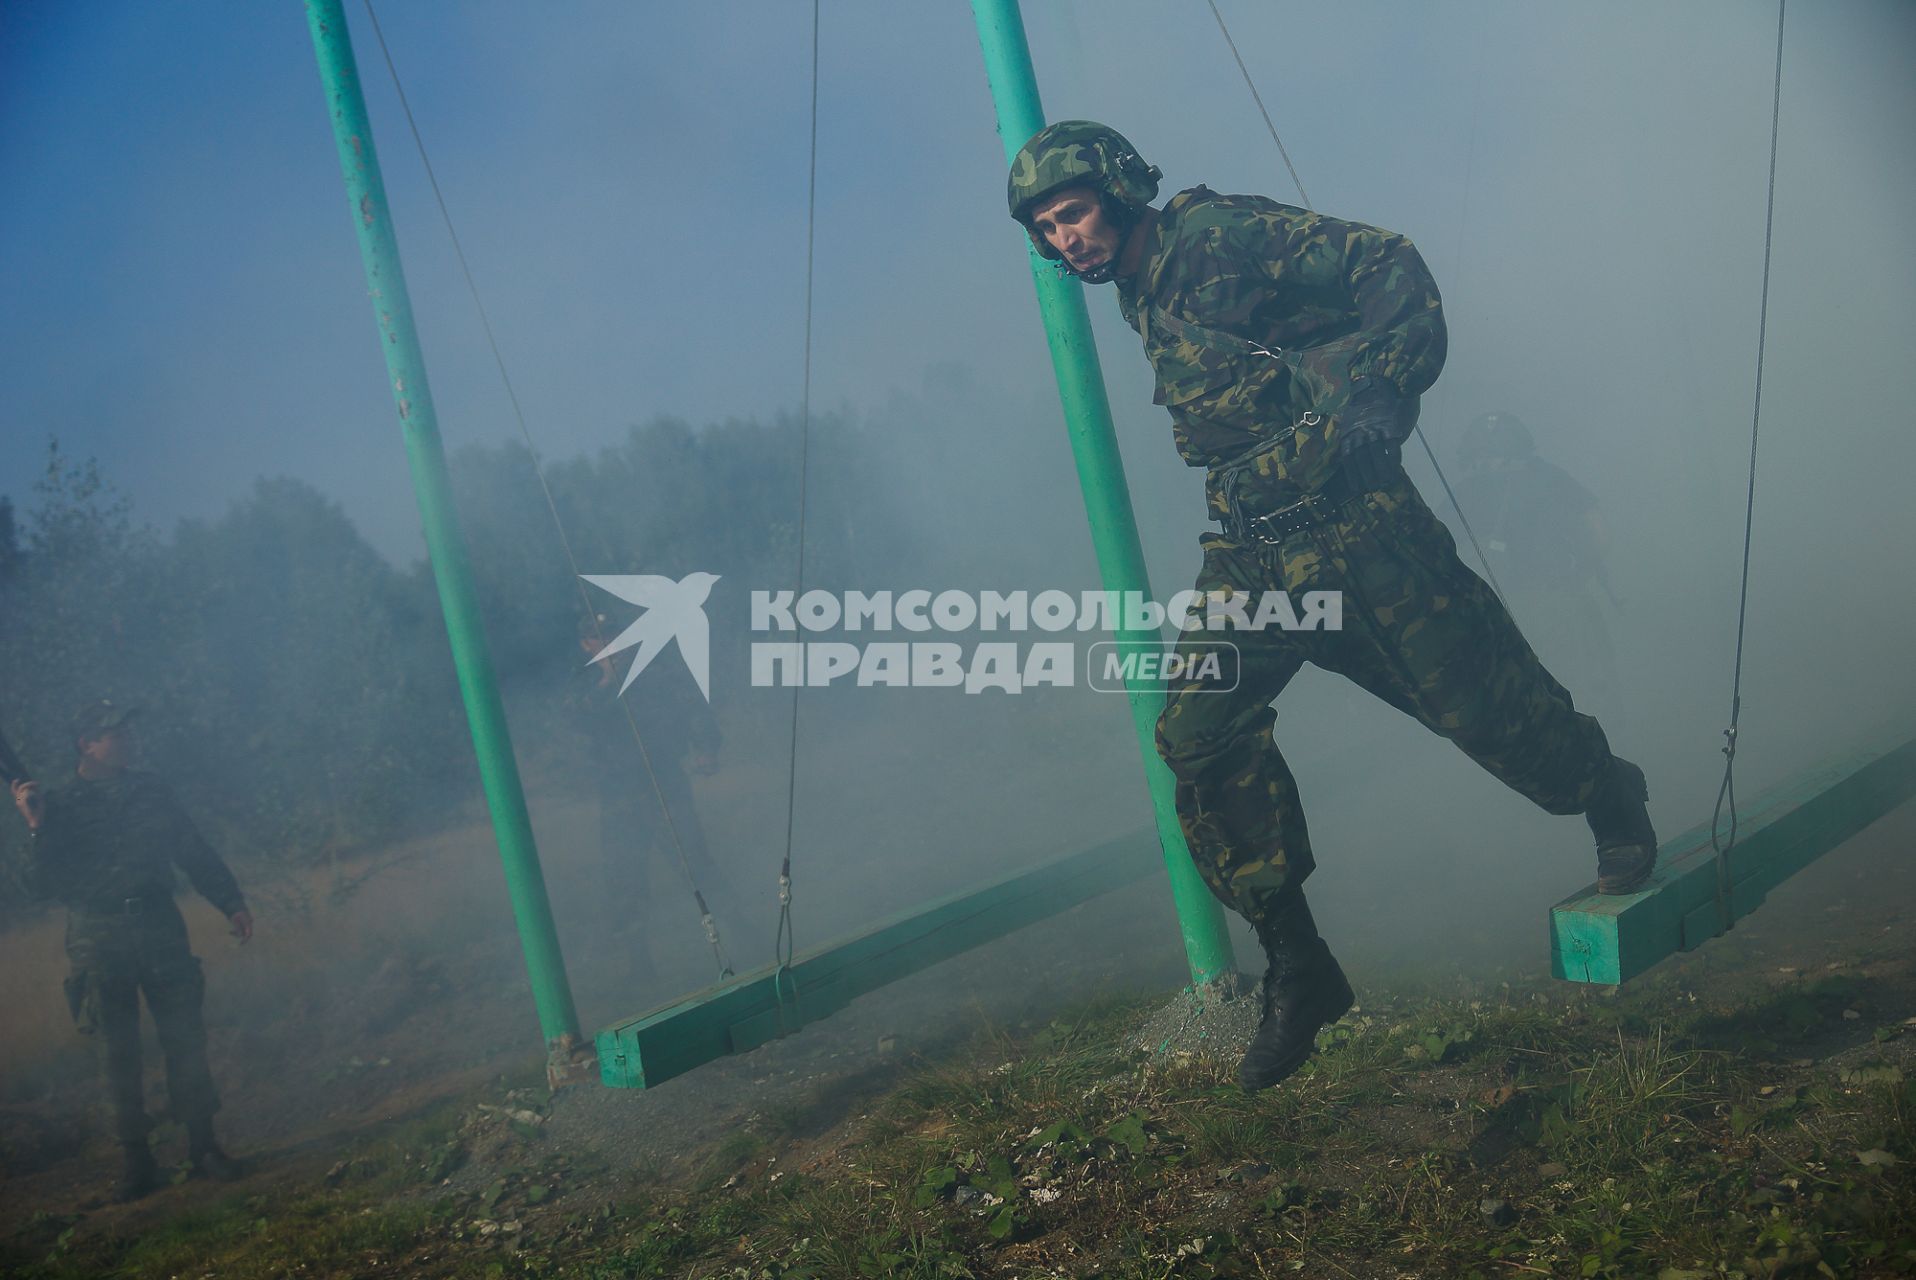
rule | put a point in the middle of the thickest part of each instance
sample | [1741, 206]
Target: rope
[552, 506]
[1416, 428]
[1259, 99]
[782, 944]
[1726, 793]
[1469, 532]
[1456, 265]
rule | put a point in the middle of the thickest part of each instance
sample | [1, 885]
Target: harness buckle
[1273, 527]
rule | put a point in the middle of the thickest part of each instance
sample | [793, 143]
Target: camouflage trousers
[1419, 630]
[114, 959]
[637, 845]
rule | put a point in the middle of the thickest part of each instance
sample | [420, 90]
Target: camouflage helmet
[1072, 152]
[99, 718]
[1495, 435]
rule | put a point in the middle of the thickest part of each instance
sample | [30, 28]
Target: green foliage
[295, 684]
[1128, 1133]
[1000, 1178]
[936, 1185]
[1442, 1044]
[281, 665]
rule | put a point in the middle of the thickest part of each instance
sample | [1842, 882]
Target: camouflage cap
[1072, 152]
[95, 718]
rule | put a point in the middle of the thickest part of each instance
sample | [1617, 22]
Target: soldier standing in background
[105, 842]
[1545, 543]
[638, 839]
[1290, 350]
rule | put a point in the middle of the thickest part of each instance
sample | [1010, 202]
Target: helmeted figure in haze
[105, 842]
[641, 839]
[1545, 542]
[1290, 350]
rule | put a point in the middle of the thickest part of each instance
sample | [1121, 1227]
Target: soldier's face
[1073, 222]
[111, 750]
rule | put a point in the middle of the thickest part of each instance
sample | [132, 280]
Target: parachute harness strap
[1726, 793]
[1304, 195]
[1720, 842]
[782, 943]
[538, 469]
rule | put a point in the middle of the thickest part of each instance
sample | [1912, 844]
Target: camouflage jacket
[1255, 313]
[105, 840]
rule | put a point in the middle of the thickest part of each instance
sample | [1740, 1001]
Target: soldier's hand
[704, 764]
[1370, 438]
[28, 800]
[242, 922]
[1374, 465]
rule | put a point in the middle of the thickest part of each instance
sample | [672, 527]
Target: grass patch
[1528, 1130]
[252, 1239]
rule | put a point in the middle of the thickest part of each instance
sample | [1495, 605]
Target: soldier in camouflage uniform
[105, 842]
[1544, 540]
[1290, 350]
[638, 838]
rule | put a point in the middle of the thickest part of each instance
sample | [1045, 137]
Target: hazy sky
[184, 297]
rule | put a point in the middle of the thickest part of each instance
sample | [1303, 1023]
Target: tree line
[297, 687]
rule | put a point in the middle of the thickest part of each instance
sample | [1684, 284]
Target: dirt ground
[382, 983]
[318, 1046]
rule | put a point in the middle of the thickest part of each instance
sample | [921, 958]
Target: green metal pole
[1107, 498]
[498, 771]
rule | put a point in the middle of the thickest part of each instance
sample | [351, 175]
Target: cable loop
[1726, 793]
[782, 941]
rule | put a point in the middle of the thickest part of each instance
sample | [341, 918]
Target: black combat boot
[1303, 990]
[1626, 842]
[139, 1174]
[204, 1154]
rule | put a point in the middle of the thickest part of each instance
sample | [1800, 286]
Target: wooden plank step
[746, 1011]
[1612, 939]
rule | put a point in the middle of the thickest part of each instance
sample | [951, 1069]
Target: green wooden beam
[765, 1004]
[1612, 939]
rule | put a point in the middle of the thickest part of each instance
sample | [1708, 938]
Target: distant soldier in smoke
[1290, 350]
[639, 839]
[105, 841]
[1545, 543]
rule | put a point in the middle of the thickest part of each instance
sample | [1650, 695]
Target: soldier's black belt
[1299, 512]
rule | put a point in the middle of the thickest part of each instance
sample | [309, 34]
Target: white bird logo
[673, 611]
